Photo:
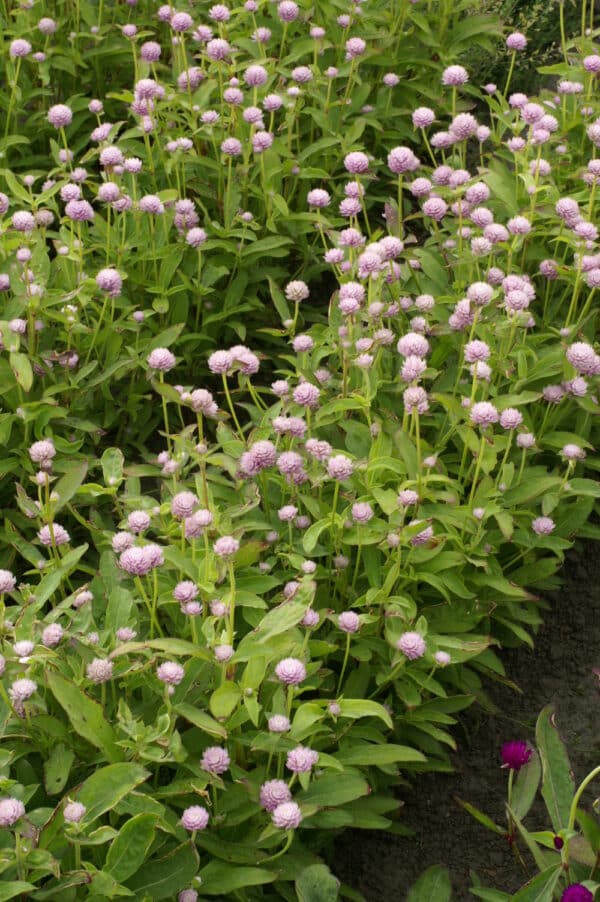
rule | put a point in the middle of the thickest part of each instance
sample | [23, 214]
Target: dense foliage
[297, 384]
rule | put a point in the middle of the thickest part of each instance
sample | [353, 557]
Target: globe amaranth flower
[183, 504]
[274, 793]
[99, 670]
[442, 658]
[7, 581]
[60, 115]
[340, 467]
[402, 159]
[318, 198]
[287, 816]
[54, 535]
[52, 635]
[195, 818]
[290, 671]
[515, 754]
[543, 526]
[348, 622]
[74, 812]
[161, 359]
[11, 810]
[278, 723]
[215, 760]
[483, 413]
[356, 162]
[301, 760]
[170, 672]
[577, 892]
[412, 645]
[223, 653]
[226, 546]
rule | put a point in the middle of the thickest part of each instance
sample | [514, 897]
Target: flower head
[287, 816]
[274, 793]
[215, 760]
[11, 810]
[412, 645]
[290, 671]
[195, 818]
[515, 754]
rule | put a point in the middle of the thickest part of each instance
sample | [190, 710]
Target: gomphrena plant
[565, 856]
[298, 382]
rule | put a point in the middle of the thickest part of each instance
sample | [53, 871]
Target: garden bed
[562, 671]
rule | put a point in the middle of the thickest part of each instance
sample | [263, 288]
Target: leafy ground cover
[298, 412]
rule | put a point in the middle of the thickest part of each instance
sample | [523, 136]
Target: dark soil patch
[559, 671]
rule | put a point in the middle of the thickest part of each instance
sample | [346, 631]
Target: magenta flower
[577, 892]
[515, 754]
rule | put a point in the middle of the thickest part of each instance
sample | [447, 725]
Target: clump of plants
[299, 409]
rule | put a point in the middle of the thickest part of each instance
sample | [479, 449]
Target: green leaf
[331, 790]
[162, 878]
[219, 879]
[526, 786]
[57, 767]
[177, 647]
[68, 484]
[12, 888]
[129, 850]
[317, 884]
[367, 753]
[86, 715]
[480, 816]
[107, 786]
[432, 886]
[280, 619]
[557, 784]
[541, 888]
[202, 720]
[355, 708]
[21, 367]
[225, 699]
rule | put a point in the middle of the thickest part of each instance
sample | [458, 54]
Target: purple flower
[11, 810]
[226, 546]
[287, 816]
[515, 754]
[543, 526]
[362, 512]
[55, 535]
[516, 41]
[301, 760]
[73, 812]
[290, 671]
[7, 581]
[60, 115]
[483, 413]
[356, 162]
[349, 622]
[340, 467]
[402, 159]
[577, 892]
[195, 818]
[99, 670]
[274, 793]
[161, 359]
[278, 723]
[455, 75]
[215, 760]
[412, 645]
[170, 673]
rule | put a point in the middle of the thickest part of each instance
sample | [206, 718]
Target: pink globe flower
[215, 760]
[543, 526]
[349, 622]
[290, 671]
[195, 818]
[412, 645]
[301, 759]
[60, 115]
[274, 793]
[11, 810]
[287, 816]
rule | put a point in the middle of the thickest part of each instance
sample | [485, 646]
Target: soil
[559, 671]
